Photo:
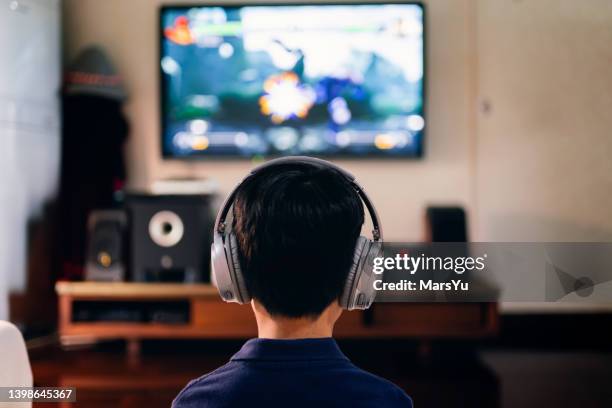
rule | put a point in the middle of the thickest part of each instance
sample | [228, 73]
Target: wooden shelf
[134, 290]
[210, 317]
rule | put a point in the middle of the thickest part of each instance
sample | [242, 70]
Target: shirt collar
[294, 349]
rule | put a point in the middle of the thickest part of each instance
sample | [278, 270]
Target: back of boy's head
[296, 225]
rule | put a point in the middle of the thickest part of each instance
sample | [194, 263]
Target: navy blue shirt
[290, 373]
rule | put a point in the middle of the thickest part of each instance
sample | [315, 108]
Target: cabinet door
[29, 127]
[13, 218]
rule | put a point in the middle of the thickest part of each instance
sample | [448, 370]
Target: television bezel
[168, 156]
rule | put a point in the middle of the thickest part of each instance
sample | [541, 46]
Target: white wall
[544, 163]
[400, 189]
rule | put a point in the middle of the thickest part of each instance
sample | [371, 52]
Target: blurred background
[103, 250]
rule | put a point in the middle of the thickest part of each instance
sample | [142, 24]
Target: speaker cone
[166, 228]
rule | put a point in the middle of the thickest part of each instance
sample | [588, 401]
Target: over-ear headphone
[227, 275]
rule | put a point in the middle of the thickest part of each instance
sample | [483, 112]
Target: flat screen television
[291, 79]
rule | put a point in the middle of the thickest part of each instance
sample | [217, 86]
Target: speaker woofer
[166, 228]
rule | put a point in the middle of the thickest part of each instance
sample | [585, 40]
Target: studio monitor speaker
[106, 247]
[170, 237]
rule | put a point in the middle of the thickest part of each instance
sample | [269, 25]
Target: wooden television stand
[206, 316]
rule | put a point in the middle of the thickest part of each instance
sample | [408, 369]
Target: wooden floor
[105, 377]
[452, 377]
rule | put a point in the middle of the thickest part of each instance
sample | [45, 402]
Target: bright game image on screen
[324, 80]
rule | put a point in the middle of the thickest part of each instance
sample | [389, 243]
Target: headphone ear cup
[221, 275]
[349, 284]
[364, 293]
[234, 261]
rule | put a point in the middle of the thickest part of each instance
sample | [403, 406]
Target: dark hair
[296, 225]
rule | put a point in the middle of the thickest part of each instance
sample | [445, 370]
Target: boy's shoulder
[191, 395]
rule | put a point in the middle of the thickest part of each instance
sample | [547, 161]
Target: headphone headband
[221, 216]
[301, 160]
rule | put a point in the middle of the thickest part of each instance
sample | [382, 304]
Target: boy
[296, 226]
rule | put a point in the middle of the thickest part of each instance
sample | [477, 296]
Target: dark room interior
[190, 185]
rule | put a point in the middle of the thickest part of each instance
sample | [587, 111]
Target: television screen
[269, 80]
